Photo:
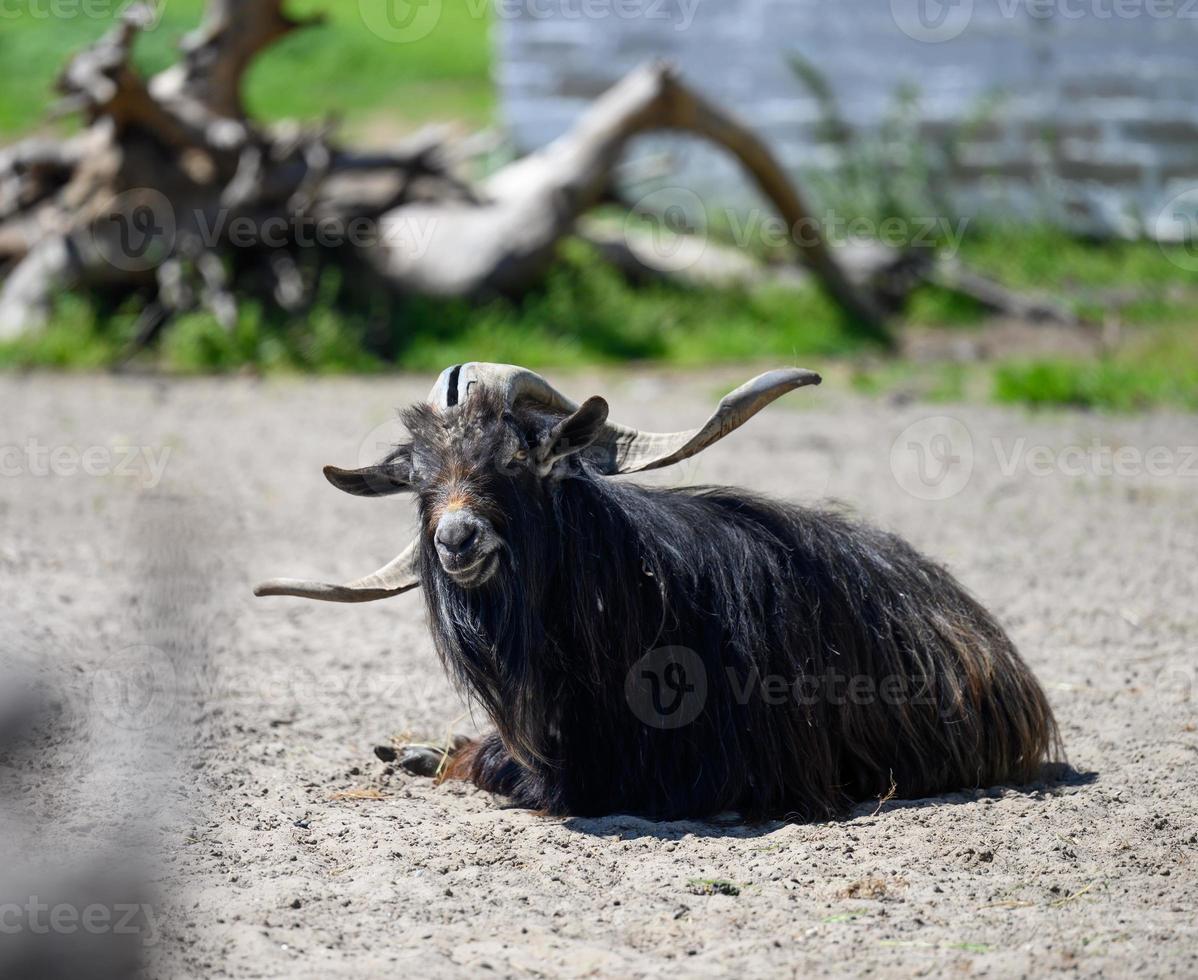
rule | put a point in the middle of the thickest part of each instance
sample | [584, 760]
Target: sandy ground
[200, 737]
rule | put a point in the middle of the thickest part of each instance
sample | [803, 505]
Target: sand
[222, 745]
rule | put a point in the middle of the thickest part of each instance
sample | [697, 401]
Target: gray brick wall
[1083, 111]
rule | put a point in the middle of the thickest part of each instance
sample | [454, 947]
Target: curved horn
[398, 575]
[626, 450]
[622, 449]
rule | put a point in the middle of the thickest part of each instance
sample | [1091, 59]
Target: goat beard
[566, 618]
[488, 639]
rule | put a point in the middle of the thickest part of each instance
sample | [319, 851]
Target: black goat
[678, 653]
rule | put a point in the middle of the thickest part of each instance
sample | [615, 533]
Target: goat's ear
[575, 432]
[394, 476]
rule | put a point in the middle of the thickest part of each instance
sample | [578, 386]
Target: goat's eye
[521, 455]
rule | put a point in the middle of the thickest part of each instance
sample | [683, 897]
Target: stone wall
[1083, 111]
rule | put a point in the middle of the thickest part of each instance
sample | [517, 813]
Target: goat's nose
[456, 533]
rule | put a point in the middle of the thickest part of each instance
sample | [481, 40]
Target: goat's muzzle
[467, 547]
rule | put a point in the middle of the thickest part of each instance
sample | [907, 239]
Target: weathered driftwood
[886, 274]
[173, 192]
[173, 161]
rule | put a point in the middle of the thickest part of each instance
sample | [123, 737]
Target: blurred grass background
[338, 68]
[586, 313]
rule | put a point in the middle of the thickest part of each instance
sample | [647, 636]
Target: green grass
[1152, 368]
[1147, 286]
[584, 313]
[1146, 283]
[1163, 371]
[341, 67]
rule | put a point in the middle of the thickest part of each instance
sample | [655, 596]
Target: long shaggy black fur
[839, 664]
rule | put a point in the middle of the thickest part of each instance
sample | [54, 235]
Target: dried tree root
[148, 198]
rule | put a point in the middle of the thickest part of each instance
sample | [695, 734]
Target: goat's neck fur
[565, 624]
[601, 572]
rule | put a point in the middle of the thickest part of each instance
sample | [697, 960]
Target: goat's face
[481, 474]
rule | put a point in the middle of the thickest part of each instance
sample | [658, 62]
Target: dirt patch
[1001, 337]
[239, 734]
[873, 887]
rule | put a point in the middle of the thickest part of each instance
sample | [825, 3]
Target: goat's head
[478, 468]
[484, 448]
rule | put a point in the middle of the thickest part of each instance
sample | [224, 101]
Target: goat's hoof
[423, 760]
